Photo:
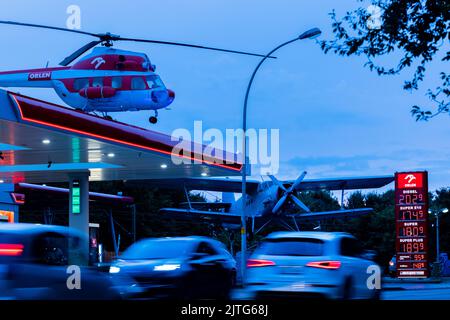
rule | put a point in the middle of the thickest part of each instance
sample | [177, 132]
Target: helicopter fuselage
[107, 80]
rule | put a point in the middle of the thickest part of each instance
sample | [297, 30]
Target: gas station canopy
[42, 142]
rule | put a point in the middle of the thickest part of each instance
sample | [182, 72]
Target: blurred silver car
[308, 265]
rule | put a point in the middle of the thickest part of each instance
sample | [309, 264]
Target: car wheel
[186, 290]
[347, 289]
[376, 295]
[228, 285]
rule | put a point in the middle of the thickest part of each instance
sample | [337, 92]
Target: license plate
[291, 270]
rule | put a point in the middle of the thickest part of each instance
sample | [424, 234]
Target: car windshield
[291, 247]
[158, 249]
[154, 82]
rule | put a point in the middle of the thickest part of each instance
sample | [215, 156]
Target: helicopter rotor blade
[79, 52]
[32, 25]
[108, 38]
[180, 44]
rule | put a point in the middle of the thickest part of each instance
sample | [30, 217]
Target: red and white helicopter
[105, 80]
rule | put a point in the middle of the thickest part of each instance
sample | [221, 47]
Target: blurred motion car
[34, 263]
[308, 265]
[179, 268]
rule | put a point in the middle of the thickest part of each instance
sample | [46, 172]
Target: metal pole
[244, 163]
[437, 237]
[295, 223]
[113, 233]
[133, 213]
[186, 193]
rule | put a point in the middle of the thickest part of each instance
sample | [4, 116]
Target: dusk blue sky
[336, 118]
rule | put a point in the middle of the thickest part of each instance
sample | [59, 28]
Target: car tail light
[7, 249]
[330, 265]
[251, 263]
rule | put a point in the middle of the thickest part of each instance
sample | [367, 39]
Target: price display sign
[76, 195]
[411, 214]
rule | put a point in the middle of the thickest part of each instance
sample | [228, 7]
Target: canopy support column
[79, 215]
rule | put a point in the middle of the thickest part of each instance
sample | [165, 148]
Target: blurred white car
[310, 265]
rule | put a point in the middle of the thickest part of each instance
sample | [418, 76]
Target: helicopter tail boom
[35, 78]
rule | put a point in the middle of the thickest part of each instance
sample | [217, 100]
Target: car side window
[206, 248]
[350, 247]
[79, 84]
[137, 83]
[53, 248]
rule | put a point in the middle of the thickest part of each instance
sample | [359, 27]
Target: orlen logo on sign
[39, 76]
[410, 180]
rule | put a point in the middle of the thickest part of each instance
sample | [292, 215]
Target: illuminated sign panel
[411, 214]
[76, 197]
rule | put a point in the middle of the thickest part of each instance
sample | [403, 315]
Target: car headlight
[166, 267]
[391, 263]
[114, 269]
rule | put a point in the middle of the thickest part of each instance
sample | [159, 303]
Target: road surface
[422, 294]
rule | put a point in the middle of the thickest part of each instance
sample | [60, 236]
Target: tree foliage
[413, 31]
[441, 200]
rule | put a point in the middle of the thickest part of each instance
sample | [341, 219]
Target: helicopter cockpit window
[138, 83]
[116, 82]
[97, 82]
[79, 84]
[154, 82]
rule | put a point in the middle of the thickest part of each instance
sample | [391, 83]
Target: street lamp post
[437, 237]
[306, 35]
